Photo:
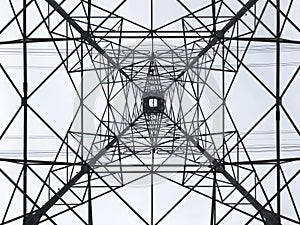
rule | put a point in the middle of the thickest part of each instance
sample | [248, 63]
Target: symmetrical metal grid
[149, 112]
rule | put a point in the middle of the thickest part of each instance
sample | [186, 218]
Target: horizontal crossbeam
[35, 217]
[218, 36]
[85, 36]
[270, 217]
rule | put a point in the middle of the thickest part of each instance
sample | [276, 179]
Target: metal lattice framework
[149, 112]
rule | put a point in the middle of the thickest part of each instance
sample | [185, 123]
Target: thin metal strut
[270, 217]
[34, 218]
[85, 36]
[218, 35]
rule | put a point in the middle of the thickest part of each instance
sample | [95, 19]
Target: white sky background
[55, 101]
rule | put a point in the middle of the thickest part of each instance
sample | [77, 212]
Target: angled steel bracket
[85, 35]
[270, 217]
[218, 35]
[34, 218]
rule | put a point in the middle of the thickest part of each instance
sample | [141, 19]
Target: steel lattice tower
[149, 112]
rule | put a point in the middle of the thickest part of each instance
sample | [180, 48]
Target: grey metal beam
[270, 217]
[93, 161]
[25, 109]
[85, 36]
[218, 35]
[34, 218]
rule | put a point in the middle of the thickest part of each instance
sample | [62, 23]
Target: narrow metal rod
[278, 104]
[219, 34]
[90, 206]
[213, 200]
[270, 217]
[24, 103]
[151, 30]
[152, 188]
[34, 218]
[85, 35]
[81, 98]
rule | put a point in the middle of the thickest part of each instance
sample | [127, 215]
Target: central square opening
[152, 102]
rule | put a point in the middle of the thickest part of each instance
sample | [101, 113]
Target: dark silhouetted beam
[219, 35]
[270, 217]
[84, 35]
[35, 217]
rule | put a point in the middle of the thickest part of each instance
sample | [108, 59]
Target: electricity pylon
[149, 112]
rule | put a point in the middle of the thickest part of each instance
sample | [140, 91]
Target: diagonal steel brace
[270, 217]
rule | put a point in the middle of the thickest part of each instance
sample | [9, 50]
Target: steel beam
[270, 217]
[34, 218]
[218, 35]
[25, 109]
[85, 35]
